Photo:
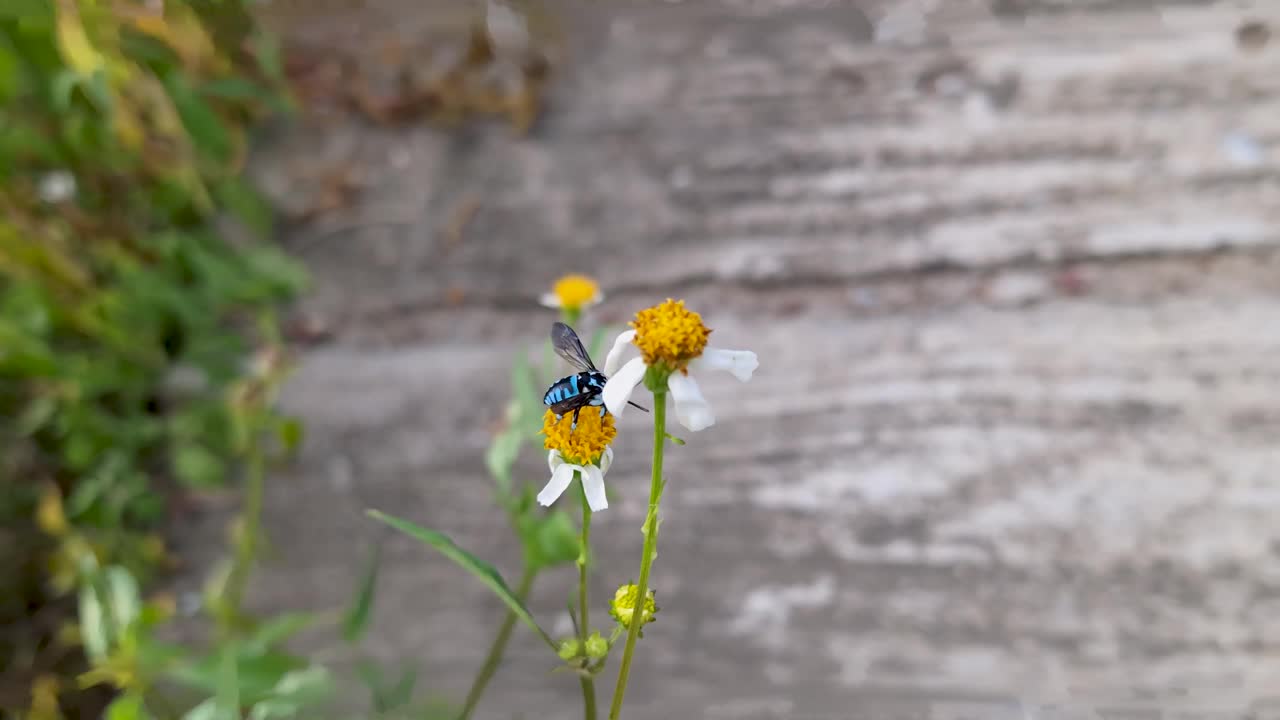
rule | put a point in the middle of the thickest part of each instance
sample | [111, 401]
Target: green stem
[650, 549]
[247, 548]
[499, 646]
[584, 628]
[588, 697]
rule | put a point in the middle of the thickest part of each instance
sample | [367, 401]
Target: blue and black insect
[582, 389]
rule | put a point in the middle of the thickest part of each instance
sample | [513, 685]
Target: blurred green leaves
[549, 538]
[124, 316]
[126, 319]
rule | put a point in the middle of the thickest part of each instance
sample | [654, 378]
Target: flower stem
[650, 549]
[584, 628]
[247, 546]
[499, 646]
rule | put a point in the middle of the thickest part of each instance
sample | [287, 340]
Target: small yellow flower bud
[597, 646]
[623, 606]
[569, 649]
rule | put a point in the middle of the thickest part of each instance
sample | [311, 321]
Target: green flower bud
[569, 649]
[597, 646]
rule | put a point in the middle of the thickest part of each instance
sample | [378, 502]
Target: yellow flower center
[584, 444]
[670, 333]
[623, 606]
[575, 291]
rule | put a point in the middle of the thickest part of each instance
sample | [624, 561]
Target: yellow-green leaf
[74, 44]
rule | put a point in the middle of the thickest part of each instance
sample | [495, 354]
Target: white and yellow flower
[581, 451]
[672, 341]
[573, 293]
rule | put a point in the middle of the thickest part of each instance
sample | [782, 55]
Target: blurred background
[1010, 268]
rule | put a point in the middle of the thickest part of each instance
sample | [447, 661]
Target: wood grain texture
[1010, 268]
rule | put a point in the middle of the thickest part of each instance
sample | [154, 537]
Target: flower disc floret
[581, 445]
[623, 606]
[670, 334]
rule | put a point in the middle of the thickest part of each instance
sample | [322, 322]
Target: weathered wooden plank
[1046, 139]
[1011, 274]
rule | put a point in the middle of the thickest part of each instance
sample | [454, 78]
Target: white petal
[593, 486]
[558, 483]
[554, 460]
[692, 409]
[606, 460]
[595, 299]
[739, 362]
[615, 353]
[550, 300]
[618, 388]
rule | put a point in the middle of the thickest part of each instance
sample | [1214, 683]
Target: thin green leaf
[125, 601]
[356, 621]
[154, 658]
[61, 89]
[205, 127]
[94, 631]
[256, 674]
[207, 710]
[273, 709]
[276, 631]
[266, 49]
[295, 691]
[227, 700]
[238, 197]
[26, 10]
[236, 88]
[127, 707]
[482, 570]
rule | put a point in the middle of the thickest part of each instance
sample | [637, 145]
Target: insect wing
[568, 346]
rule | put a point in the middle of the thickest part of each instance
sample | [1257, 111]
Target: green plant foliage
[126, 319]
